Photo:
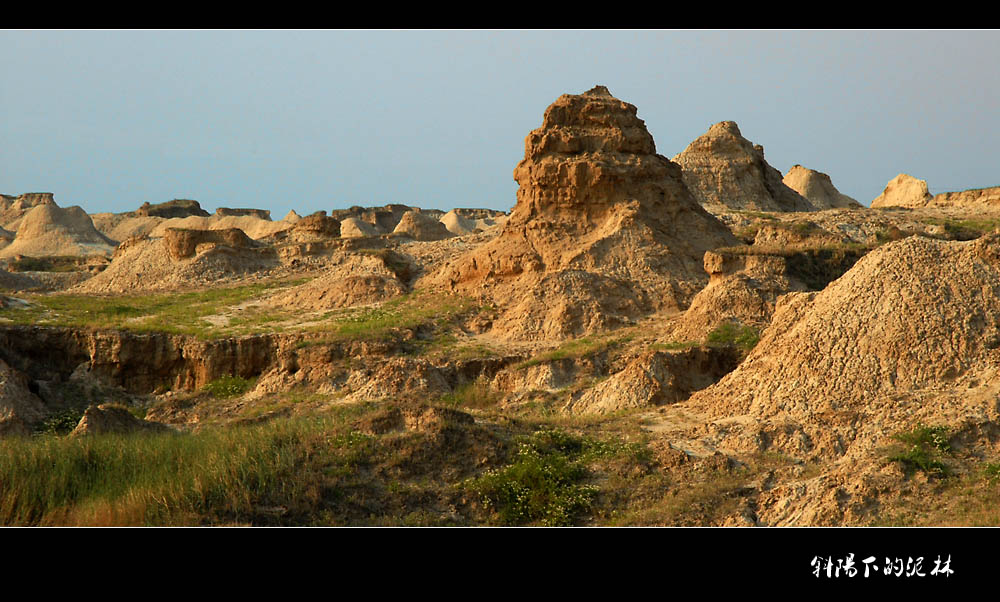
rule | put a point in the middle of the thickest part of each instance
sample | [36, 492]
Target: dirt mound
[50, 230]
[817, 188]
[382, 219]
[903, 191]
[352, 279]
[292, 217]
[12, 208]
[418, 226]
[604, 229]
[186, 259]
[355, 227]
[724, 170]
[742, 289]
[656, 378]
[912, 318]
[398, 379]
[110, 418]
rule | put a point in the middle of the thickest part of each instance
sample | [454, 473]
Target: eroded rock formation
[903, 191]
[725, 171]
[817, 188]
[604, 229]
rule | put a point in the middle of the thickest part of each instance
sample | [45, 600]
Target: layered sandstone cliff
[604, 229]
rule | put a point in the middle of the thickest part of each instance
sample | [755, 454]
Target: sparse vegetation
[226, 387]
[925, 446]
[965, 229]
[577, 348]
[734, 334]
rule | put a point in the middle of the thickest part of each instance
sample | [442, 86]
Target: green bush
[924, 447]
[542, 483]
[229, 386]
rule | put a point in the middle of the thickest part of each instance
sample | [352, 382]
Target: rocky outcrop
[169, 209]
[181, 243]
[725, 171]
[903, 191]
[817, 188]
[20, 408]
[48, 229]
[467, 221]
[13, 208]
[418, 226]
[978, 198]
[111, 418]
[604, 229]
[263, 214]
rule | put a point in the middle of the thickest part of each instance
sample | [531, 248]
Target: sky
[313, 120]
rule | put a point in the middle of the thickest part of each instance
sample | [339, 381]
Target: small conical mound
[604, 230]
[817, 188]
[725, 171]
[50, 230]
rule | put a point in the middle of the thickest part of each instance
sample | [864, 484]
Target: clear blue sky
[314, 120]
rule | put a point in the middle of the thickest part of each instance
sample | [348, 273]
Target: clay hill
[912, 318]
[48, 229]
[13, 208]
[817, 188]
[604, 229]
[725, 171]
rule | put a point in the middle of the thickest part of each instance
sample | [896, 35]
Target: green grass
[674, 346]
[216, 476]
[173, 313]
[226, 387]
[733, 334]
[965, 229]
[577, 348]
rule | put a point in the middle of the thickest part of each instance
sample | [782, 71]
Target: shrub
[924, 446]
[542, 483]
[737, 335]
[229, 386]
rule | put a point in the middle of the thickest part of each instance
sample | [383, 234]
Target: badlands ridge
[772, 345]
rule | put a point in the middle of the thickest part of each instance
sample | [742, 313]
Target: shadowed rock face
[169, 209]
[230, 212]
[604, 229]
[183, 243]
[724, 171]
